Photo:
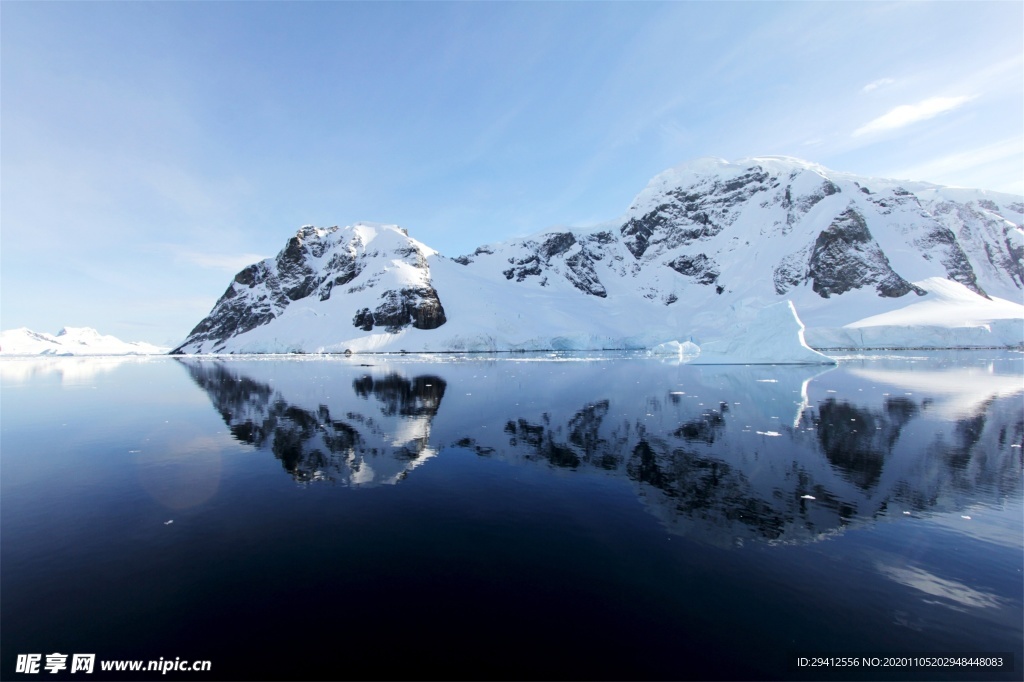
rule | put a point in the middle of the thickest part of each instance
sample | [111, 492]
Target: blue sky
[148, 151]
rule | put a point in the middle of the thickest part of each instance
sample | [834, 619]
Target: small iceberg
[686, 349]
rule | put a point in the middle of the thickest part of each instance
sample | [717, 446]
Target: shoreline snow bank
[995, 334]
[950, 316]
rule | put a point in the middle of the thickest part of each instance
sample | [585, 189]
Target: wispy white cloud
[875, 85]
[996, 166]
[907, 114]
[195, 254]
[226, 262]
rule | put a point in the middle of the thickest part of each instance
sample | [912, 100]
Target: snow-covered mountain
[701, 250]
[70, 341]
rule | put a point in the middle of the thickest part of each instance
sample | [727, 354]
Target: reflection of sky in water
[948, 592]
[182, 474]
[999, 524]
[957, 393]
[69, 370]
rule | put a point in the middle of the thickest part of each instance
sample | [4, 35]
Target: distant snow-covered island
[71, 341]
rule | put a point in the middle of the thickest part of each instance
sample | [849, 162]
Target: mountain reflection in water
[719, 454]
[376, 438]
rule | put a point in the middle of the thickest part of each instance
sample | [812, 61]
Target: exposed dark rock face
[298, 278]
[682, 221]
[941, 243]
[1015, 263]
[694, 213]
[557, 244]
[583, 276]
[701, 268]
[418, 307]
[897, 197]
[990, 242]
[466, 260]
[563, 253]
[344, 269]
[846, 257]
[261, 292]
[799, 206]
[237, 313]
[524, 267]
[363, 320]
[791, 271]
[394, 312]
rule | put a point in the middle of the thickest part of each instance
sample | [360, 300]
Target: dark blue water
[526, 517]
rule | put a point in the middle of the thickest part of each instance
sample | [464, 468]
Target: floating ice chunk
[167, 523]
[768, 433]
[808, 497]
[684, 349]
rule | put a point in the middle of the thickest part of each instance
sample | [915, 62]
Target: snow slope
[951, 316]
[70, 341]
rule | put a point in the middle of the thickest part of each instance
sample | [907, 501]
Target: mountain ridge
[703, 246]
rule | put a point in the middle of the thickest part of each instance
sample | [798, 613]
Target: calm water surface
[517, 516]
